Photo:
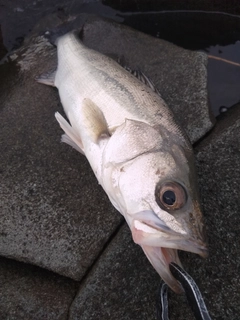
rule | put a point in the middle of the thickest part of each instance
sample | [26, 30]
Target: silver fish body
[139, 154]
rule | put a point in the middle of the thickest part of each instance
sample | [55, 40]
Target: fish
[138, 152]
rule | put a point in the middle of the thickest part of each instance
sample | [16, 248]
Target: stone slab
[52, 211]
[27, 293]
[123, 284]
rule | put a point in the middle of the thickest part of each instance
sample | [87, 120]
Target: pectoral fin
[70, 137]
[93, 120]
[66, 139]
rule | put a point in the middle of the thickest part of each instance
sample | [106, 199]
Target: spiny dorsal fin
[93, 120]
[140, 76]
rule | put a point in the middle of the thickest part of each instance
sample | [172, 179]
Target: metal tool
[192, 292]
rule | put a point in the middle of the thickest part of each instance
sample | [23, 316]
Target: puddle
[216, 33]
[224, 77]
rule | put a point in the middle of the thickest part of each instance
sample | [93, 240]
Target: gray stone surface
[30, 293]
[219, 176]
[123, 284]
[52, 211]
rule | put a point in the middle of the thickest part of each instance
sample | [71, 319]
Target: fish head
[153, 184]
[161, 205]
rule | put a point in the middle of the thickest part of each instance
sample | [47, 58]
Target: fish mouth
[160, 245]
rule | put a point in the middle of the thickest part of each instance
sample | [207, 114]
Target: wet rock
[53, 213]
[123, 284]
[3, 50]
[19, 17]
[28, 292]
[223, 83]
[188, 29]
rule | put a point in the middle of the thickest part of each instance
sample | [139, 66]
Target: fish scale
[141, 103]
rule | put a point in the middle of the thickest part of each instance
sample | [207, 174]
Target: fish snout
[196, 246]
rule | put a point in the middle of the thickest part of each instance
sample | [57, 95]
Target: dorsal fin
[143, 78]
[140, 76]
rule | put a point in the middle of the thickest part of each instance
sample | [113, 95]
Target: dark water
[216, 33]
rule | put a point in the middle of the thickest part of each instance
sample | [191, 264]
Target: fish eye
[170, 196]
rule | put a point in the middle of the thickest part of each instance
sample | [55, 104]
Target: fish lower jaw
[160, 258]
[161, 249]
